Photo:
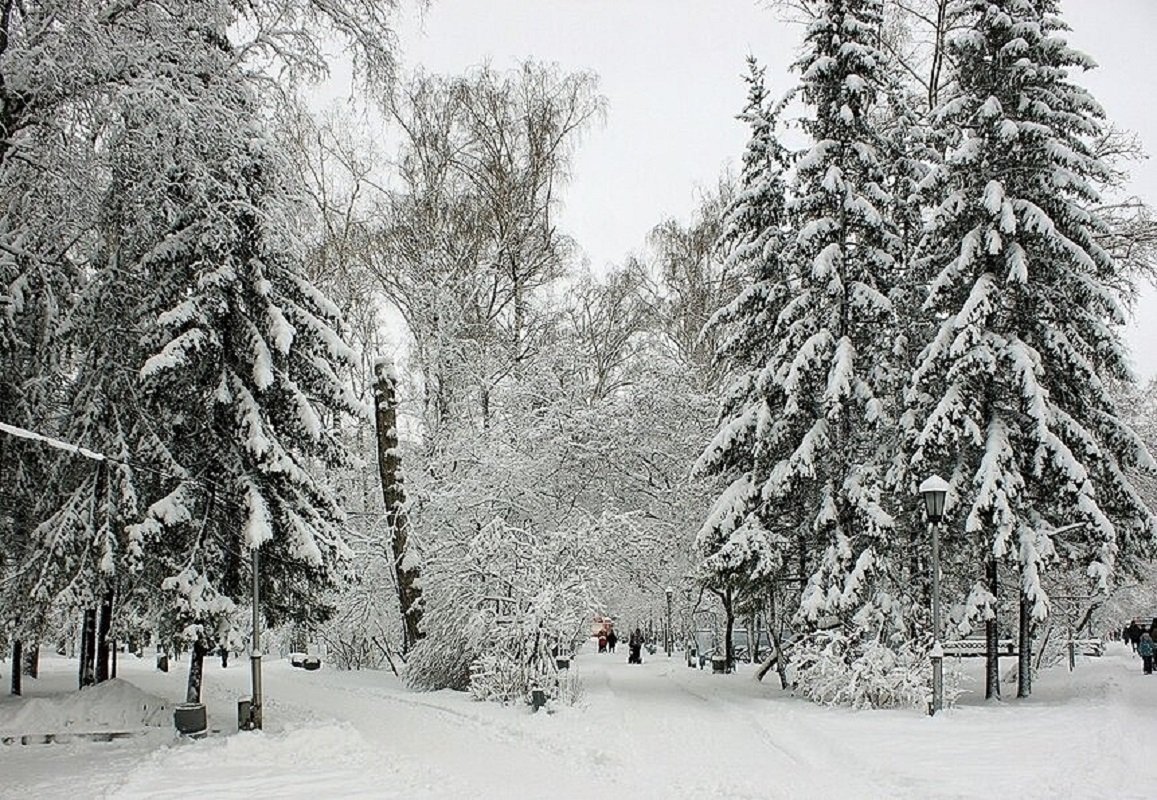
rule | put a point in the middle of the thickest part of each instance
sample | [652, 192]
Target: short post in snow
[935, 490]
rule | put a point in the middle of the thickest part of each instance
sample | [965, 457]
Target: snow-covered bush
[497, 617]
[830, 668]
[442, 659]
[501, 678]
[364, 631]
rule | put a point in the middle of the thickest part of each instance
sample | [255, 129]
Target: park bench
[65, 737]
[1088, 647]
[967, 648]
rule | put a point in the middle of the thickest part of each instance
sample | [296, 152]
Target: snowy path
[656, 731]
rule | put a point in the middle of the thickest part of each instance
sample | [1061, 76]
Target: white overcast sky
[670, 70]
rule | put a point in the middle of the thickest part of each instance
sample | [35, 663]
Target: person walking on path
[612, 640]
[635, 644]
[1145, 648]
[1134, 634]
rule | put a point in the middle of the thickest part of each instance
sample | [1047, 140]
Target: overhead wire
[103, 458]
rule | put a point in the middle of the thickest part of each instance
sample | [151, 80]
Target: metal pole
[670, 635]
[255, 650]
[1072, 635]
[937, 648]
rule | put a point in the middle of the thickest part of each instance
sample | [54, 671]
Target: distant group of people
[608, 639]
[1141, 640]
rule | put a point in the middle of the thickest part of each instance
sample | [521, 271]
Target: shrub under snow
[831, 668]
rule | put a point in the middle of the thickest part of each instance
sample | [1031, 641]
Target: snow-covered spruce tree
[69, 68]
[67, 340]
[242, 377]
[740, 544]
[909, 145]
[1010, 399]
[82, 552]
[43, 219]
[833, 367]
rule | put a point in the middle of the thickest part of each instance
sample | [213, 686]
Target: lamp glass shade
[935, 492]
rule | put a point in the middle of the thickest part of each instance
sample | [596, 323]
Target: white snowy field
[660, 730]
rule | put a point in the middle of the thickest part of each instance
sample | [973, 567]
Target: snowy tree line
[155, 310]
[195, 271]
[933, 284]
[365, 347]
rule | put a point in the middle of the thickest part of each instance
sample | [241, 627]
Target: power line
[93, 455]
[24, 433]
[102, 458]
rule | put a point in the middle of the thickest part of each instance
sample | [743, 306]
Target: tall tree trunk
[17, 658]
[88, 649]
[752, 640]
[938, 52]
[1024, 647]
[729, 614]
[31, 664]
[407, 569]
[104, 625]
[196, 672]
[777, 656]
[112, 673]
[992, 635]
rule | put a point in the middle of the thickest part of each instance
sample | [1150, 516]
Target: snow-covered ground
[661, 730]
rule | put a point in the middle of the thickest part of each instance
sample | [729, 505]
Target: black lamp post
[256, 710]
[935, 491]
[670, 634]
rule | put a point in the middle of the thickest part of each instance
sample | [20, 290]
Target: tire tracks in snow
[520, 731]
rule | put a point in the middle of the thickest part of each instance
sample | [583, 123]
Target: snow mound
[327, 760]
[114, 705]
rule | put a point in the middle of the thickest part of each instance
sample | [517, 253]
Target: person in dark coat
[1134, 634]
[612, 640]
[635, 644]
[602, 642]
[1145, 648]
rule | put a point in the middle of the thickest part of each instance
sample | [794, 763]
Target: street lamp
[935, 491]
[686, 632]
[256, 709]
[670, 636]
